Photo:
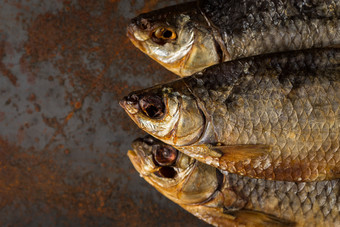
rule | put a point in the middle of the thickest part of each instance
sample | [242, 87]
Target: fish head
[173, 117]
[177, 176]
[177, 37]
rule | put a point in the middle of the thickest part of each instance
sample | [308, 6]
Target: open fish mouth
[131, 106]
[137, 155]
[141, 156]
[135, 160]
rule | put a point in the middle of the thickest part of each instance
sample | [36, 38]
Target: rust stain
[3, 69]
[85, 63]
[69, 116]
[28, 176]
[64, 44]
[32, 97]
[37, 107]
[77, 105]
[90, 56]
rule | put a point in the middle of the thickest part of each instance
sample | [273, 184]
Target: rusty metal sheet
[63, 137]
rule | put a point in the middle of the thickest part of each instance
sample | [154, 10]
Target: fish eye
[164, 33]
[152, 106]
[165, 155]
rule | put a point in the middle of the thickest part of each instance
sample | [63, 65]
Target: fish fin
[203, 153]
[224, 156]
[239, 153]
[212, 215]
[221, 217]
[256, 218]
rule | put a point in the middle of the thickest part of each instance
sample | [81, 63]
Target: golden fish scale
[313, 203]
[310, 133]
[307, 34]
[250, 28]
[301, 121]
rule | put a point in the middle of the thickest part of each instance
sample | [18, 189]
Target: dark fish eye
[167, 34]
[164, 33]
[165, 155]
[152, 106]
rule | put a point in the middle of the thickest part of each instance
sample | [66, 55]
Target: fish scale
[293, 200]
[262, 22]
[241, 137]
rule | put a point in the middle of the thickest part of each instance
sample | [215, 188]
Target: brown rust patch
[3, 69]
[83, 46]
[86, 53]
[29, 177]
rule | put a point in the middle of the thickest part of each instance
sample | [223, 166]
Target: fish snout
[130, 103]
[138, 30]
[130, 31]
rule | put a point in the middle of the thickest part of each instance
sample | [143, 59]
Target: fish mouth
[140, 155]
[131, 112]
[123, 104]
[135, 160]
[130, 104]
[136, 155]
[132, 33]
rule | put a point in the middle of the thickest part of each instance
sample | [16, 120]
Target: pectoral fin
[247, 160]
[211, 215]
[221, 217]
[256, 218]
[240, 153]
[225, 157]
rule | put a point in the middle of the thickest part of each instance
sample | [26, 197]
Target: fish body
[275, 116]
[225, 199]
[189, 37]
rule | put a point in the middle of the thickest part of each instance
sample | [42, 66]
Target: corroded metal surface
[63, 137]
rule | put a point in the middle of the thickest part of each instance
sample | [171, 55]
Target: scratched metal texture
[63, 137]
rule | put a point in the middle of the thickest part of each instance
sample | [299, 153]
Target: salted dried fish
[189, 37]
[224, 199]
[275, 116]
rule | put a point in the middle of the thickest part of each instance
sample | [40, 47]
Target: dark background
[63, 137]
